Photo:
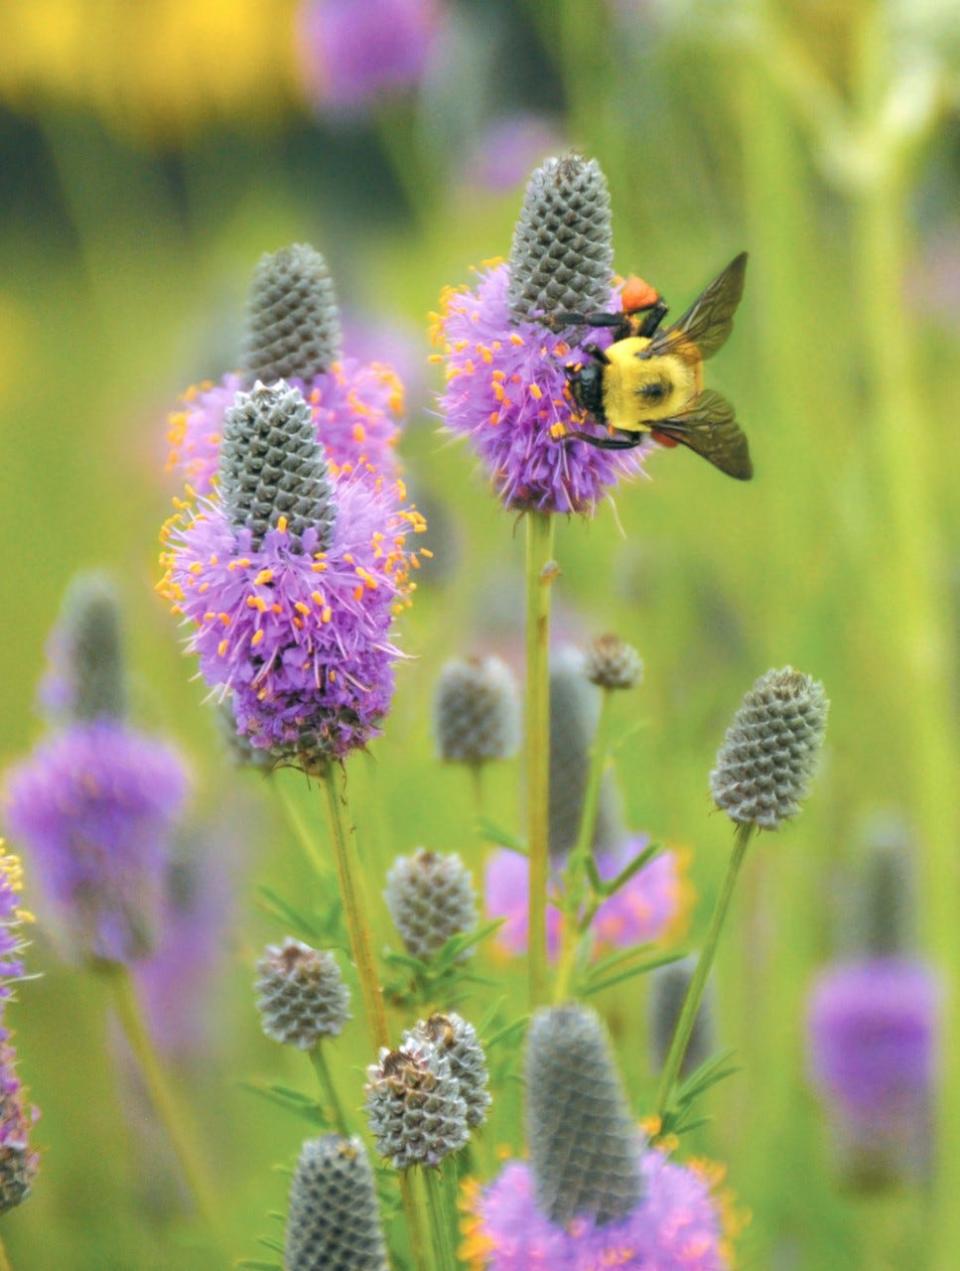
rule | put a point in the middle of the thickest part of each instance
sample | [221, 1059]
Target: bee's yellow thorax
[624, 402]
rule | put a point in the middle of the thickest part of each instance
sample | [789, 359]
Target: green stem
[5, 1263]
[476, 785]
[413, 1212]
[540, 572]
[691, 1003]
[444, 1250]
[583, 849]
[325, 1077]
[127, 1006]
[350, 876]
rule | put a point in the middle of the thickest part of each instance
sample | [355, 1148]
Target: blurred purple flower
[298, 638]
[389, 342]
[873, 1039]
[95, 805]
[353, 54]
[12, 916]
[507, 391]
[678, 1226]
[653, 906]
[509, 148]
[179, 978]
[356, 407]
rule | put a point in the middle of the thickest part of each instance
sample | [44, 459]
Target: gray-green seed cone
[333, 1223]
[476, 711]
[293, 323]
[584, 1147]
[611, 663]
[458, 1041]
[301, 995]
[668, 988]
[90, 643]
[431, 897]
[273, 466]
[18, 1167]
[886, 904]
[770, 751]
[574, 708]
[416, 1112]
[562, 253]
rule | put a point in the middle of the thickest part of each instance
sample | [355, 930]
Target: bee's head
[586, 385]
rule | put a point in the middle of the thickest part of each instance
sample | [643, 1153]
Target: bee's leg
[598, 355]
[605, 443]
[655, 315]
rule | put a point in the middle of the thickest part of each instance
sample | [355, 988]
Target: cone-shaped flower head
[476, 711]
[770, 750]
[293, 323]
[416, 1112]
[18, 1164]
[885, 923]
[562, 254]
[301, 995]
[574, 710]
[291, 580]
[679, 1225]
[333, 1223]
[353, 55]
[431, 897]
[459, 1042]
[506, 382]
[668, 989]
[652, 907]
[87, 678]
[293, 333]
[611, 663]
[873, 1044]
[584, 1147]
[273, 467]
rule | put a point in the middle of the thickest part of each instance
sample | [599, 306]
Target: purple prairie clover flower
[95, 806]
[653, 907]
[356, 406]
[178, 981]
[680, 1224]
[507, 392]
[291, 616]
[873, 1037]
[18, 1163]
[12, 917]
[351, 55]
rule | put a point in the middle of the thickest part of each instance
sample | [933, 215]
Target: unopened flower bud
[611, 663]
[301, 995]
[293, 321]
[333, 1223]
[458, 1041]
[431, 898]
[476, 713]
[416, 1112]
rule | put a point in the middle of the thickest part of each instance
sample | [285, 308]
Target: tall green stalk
[165, 1103]
[324, 1076]
[444, 1247]
[571, 934]
[691, 1003]
[540, 570]
[350, 878]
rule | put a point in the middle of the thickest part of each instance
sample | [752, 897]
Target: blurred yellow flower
[157, 70]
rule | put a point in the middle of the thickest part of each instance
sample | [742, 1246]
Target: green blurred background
[152, 152]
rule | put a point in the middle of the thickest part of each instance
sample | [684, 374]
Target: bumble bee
[651, 382]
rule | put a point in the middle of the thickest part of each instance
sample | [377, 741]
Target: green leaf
[305, 925]
[490, 832]
[509, 1030]
[271, 1243]
[633, 867]
[598, 985]
[290, 1100]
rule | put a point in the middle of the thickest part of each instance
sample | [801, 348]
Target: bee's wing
[709, 320]
[710, 429]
